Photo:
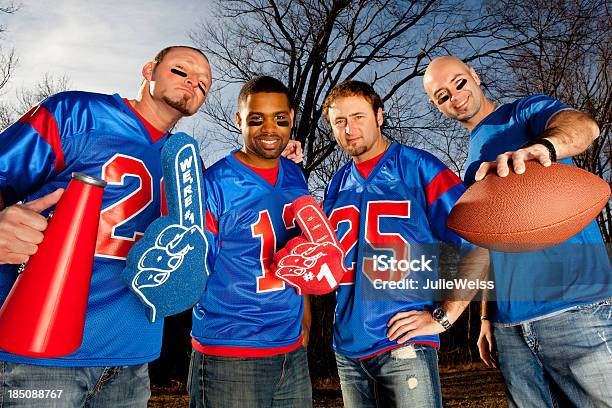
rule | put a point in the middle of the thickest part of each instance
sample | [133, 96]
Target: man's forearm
[474, 267]
[484, 312]
[571, 132]
[307, 317]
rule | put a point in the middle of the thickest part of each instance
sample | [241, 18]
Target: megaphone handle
[23, 265]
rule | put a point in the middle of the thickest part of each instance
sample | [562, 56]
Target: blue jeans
[403, 377]
[23, 385]
[228, 382]
[562, 360]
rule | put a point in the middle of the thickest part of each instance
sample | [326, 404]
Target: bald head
[454, 88]
[442, 65]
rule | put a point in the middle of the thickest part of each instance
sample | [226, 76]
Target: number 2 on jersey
[376, 210]
[109, 244]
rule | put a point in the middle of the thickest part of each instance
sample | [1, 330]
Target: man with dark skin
[118, 140]
[250, 329]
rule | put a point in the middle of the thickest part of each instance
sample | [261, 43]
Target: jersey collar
[243, 168]
[392, 147]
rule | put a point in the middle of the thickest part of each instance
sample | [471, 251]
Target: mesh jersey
[97, 135]
[403, 204]
[244, 305]
[534, 284]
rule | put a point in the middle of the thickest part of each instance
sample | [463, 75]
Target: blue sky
[99, 45]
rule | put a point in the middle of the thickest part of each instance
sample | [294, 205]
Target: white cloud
[100, 45]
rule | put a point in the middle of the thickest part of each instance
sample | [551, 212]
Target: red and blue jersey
[532, 285]
[246, 311]
[101, 136]
[400, 209]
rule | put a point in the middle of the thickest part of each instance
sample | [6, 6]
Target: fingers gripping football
[313, 263]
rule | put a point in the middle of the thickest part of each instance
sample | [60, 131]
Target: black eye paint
[442, 99]
[178, 72]
[283, 123]
[255, 122]
[202, 89]
[461, 83]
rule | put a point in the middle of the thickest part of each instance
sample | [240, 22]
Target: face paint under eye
[283, 123]
[442, 99]
[178, 72]
[461, 84]
[255, 123]
[202, 89]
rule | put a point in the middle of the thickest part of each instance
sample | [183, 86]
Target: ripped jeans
[563, 360]
[403, 377]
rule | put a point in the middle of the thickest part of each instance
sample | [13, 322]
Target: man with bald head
[119, 140]
[553, 306]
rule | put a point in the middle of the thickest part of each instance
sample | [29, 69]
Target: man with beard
[390, 201]
[118, 140]
[552, 312]
[249, 328]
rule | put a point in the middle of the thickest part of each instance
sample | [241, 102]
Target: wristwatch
[552, 152]
[439, 315]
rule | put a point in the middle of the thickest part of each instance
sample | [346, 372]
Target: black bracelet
[547, 144]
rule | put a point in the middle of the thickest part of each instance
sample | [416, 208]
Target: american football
[542, 207]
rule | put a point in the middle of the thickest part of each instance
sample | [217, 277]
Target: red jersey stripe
[444, 181]
[44, 123]
[228, 351]
[212, 225]
[164, 203]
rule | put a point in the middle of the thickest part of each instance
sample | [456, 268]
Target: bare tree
[8, 63]
[314, 45]
[8, 60]
[570, 60]
[46, 86]
[28, 97]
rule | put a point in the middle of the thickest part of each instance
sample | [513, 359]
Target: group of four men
[250, 329]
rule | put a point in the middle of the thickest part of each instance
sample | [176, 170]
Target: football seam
[458, 230]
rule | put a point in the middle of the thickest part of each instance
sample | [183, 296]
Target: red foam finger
[312, 268]
[312, 220]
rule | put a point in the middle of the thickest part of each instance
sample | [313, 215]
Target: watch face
[438, 314]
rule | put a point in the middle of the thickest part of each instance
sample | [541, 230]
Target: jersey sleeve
[212, 223]
[442, 189]
[535, 111]
[30, 152]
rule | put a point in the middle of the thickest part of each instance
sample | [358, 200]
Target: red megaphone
[44, 314]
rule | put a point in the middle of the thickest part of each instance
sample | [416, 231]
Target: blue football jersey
[98, 135]
[399, 211]
[245, 309]
[535, 284]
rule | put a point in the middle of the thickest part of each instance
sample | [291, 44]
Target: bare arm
[306, 321]
[486, 341]
[571, 132]
[406, 325]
